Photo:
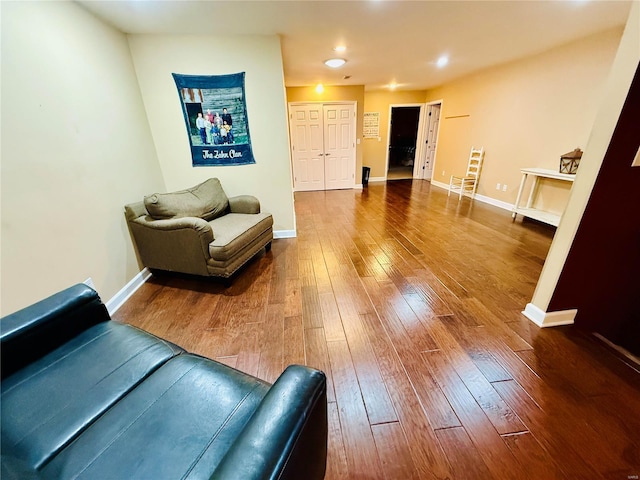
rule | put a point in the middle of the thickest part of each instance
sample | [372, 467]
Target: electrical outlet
[497, 186]
[443, 173]
[504, 187]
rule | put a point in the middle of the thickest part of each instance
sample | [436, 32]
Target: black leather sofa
[85, 397]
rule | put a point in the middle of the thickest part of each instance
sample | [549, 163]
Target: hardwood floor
[410, 302]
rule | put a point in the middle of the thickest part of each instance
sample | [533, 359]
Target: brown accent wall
[601, 277]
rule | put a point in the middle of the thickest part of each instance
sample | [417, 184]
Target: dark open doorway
[403, 138]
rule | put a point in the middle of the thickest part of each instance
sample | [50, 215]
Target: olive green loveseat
[199, 231]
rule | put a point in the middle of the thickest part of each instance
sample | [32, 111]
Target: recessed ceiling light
[442, 61]
[335, 62]
[393, 86]
[319, 88]
[339, 48]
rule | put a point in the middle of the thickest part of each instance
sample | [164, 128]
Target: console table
[529, 211]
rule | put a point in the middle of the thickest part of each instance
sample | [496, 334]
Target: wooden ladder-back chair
[469, 183]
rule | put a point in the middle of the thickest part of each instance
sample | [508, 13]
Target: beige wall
[375, 152]
[615, 92]
[526, 114]
[156, 56]
[353, 93]
[76, 147]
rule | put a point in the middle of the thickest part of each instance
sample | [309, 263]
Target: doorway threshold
[400, 173]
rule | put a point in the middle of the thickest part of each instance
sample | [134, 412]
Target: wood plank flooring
[410, 302]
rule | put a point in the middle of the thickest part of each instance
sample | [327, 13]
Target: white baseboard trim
[377, 179]
[358, 186]
[480, 198]
[136, 282]
[435, 183]
[284, 234]
[129, 289]
[494, 202]
[549, 319]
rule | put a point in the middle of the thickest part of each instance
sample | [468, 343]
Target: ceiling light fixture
[340, 48]
[442, 61]
[335, 62]
[393, 86]
[319, 88]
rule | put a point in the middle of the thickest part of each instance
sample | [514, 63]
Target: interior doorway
[403, 140]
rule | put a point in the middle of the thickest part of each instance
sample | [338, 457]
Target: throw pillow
[206, 201]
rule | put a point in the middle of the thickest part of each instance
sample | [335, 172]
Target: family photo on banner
[215, 115]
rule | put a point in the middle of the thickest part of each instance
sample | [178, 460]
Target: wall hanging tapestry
[215, 114]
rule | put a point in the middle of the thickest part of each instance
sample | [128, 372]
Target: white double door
[323, 145]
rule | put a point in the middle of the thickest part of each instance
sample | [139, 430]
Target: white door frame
[419, 140]
[425, 133]
[355, 134]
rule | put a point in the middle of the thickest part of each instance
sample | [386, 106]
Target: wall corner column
[616, 90]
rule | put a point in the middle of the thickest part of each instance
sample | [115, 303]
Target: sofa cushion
[45, 405]
[206, 201]
[235, 231]
[178, 423]
[12, 468]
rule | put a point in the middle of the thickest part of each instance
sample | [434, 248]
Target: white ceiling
[387, 40]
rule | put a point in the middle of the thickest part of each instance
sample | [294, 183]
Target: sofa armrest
[32, 332]
[286, 438]
[194, 223]
[179, 244]
[244, 204]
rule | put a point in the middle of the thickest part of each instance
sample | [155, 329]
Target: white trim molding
[136, 282]
[435, 183]
[549, 319]
[284, 234]
[377, 179]
[360, 186]
[480, 198]
[129, 289]
[494, 202]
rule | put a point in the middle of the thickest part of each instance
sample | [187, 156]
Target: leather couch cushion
[235, 231]
[182, 420]
[12, 468]
[206, 201]
[38, 329]
[52, 400]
